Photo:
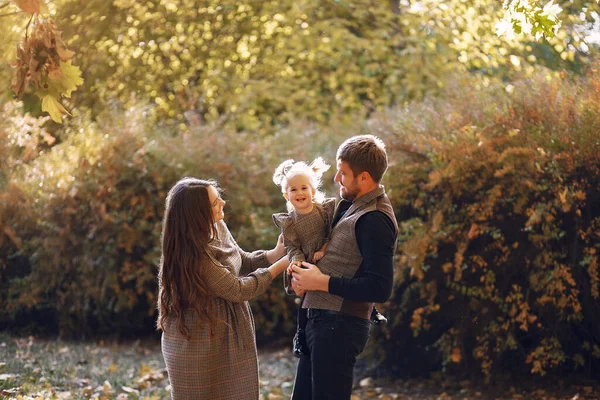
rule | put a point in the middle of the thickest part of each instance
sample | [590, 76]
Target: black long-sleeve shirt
[375, 237]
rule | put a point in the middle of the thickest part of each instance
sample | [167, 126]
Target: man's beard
[349, 194]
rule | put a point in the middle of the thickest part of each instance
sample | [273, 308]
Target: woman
[205, 282]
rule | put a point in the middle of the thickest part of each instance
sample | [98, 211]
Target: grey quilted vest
[342, 257]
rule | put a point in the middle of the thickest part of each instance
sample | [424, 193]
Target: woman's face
[216, 203]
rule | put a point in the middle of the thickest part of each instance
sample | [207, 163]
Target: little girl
[307, 225]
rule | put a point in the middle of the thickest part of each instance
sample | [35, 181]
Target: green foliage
[82, 219]
[265, 63]
[529, 18]
[496, 193]
[498, 201]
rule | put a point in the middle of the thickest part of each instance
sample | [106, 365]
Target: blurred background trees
[493, 143]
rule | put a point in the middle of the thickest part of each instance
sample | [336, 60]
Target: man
[356, 271]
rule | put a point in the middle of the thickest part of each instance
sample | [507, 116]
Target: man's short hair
[364, 153]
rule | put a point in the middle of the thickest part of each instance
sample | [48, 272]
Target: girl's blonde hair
[314, 172]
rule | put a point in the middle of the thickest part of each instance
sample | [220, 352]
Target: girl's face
[216, 203]
[300, 193]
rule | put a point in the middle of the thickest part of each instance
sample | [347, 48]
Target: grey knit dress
[305, 234]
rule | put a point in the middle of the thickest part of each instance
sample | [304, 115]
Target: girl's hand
[296, 263]
[318, 255]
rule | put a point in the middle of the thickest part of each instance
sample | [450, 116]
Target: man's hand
[299, 292]
[295, 287]
[309, 277]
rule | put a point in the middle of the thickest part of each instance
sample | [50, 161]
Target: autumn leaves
[44, 61]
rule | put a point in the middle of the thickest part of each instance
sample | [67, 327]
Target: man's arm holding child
[375, 236]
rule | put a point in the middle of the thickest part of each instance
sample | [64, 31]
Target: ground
[33, 368]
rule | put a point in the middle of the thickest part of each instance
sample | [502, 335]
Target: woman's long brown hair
[187, 229]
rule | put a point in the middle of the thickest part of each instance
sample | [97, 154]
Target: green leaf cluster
[261, 64]
[495, 191]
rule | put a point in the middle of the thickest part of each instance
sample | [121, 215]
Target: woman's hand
[277, 252]
[279, 266]
[309, 277]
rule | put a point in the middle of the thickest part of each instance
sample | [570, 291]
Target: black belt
[314, 312]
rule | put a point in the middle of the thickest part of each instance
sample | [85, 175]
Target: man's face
[348, 183]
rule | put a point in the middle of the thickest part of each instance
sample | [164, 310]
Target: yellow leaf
[455, 356]
[563, 196]
[473, 232]
[51, 105]
[31, 6]
[112, 368]
[107, 388]
[145, 369]
[66, 78]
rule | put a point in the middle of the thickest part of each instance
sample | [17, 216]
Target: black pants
[334, 342]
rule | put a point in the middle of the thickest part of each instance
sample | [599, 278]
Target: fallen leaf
[8, 392]
[130, 390]
[366, 382]
[107, 388]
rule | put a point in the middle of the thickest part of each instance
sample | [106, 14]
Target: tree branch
[9, 14]
[27, 28]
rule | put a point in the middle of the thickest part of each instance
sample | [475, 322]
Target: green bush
[499, 209]
[495, 190]
[82, 220]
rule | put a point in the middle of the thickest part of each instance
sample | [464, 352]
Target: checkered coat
[224, 364]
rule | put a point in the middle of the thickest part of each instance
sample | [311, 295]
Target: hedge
[496, 191]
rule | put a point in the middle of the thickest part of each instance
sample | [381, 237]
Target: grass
[52, 369]
[33, 368]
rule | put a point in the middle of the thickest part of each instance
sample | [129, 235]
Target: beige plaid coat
[223, 365]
